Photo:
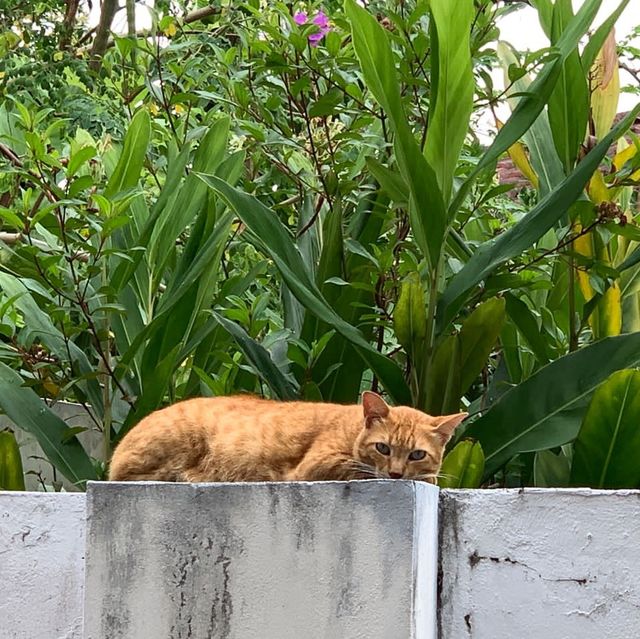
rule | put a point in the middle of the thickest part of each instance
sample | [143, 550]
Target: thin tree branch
[101, 41]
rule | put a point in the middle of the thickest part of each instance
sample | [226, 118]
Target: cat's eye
[383, 449]
[417, 455]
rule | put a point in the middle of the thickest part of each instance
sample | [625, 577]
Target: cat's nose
[395, 475]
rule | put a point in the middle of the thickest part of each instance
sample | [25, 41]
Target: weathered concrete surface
[547, 564]
[339, 560]
[41, 565]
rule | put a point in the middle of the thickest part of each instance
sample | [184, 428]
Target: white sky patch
[522, 30]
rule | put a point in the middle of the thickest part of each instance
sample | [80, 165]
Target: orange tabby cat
[243, 438]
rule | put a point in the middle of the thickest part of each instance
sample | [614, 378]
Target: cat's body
[244, 438]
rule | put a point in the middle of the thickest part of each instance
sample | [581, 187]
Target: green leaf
[441, 388]
[551, 470]
[607, 449]
[427, 211]
[452, 88]
[271, 236]
[391, 181]
[79, 158]
[410, 315]
[259, 359]
[127, 171]
[531, 105]
[569, 101]
[11, 473]
[526, 323]
[478, 337]
[528, 230]
[546, 409]
[463, 466]
[31, 414]
[11, 218]
[41, 325]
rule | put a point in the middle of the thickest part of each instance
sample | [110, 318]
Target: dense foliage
[290, 199]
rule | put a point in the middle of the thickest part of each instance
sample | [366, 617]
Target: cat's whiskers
[365, 469]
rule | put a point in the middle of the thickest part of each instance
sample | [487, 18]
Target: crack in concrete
[475, 559]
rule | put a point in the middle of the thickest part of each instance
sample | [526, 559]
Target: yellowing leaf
[519, 157]
[598, 190]
[605, 87]
[623, 156]
[606, 319]
[170, 30]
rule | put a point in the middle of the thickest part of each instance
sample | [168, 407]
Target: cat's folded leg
[334, 467]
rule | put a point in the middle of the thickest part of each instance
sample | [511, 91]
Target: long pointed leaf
[259, 359]
[452, 94]
[528, 230]
[136, 141]
[272, 237]
[27, 411]
[531, 105]
[545, 410]
[11, 472]
[427, 209]
[607, 449]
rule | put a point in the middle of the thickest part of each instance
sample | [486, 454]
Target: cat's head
[401, 442]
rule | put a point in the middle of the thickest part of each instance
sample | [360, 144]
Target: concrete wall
[41, 565]
[332, 560]
[548, 564]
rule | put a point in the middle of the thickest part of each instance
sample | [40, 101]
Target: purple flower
[320, 20]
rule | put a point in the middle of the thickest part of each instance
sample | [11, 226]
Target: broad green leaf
[259, 359]
[136, 141]
[463, 467]
[528, 230]
[28, 412]
[427, 210]
[80, 157]
[531, 105]
[478, 336]
[439, 391]
[569, 101]
[452, 87]
[272, 237]
[551, 470]
[607, 449]
[546, 409]
[11, 473]
[524, 320]
[410, 315]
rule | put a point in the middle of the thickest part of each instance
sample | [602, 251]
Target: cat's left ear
[447, 424]
[373, 406]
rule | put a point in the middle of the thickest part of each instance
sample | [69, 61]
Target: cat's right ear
[374, 407]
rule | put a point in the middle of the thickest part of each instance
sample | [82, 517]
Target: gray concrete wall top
[41, 565]
[542, 563]
[330, 560]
